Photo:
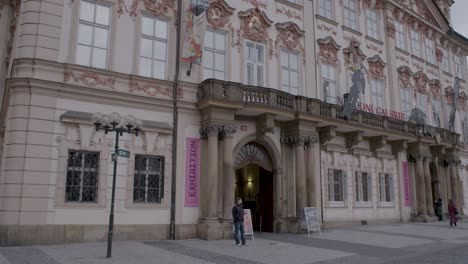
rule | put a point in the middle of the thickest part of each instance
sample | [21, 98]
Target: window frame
[415, 43]
[436, 109]
[153, 39]
[386, 189]
[359, 176]
[430, 50]
[350, 15]
[458, 66]
[93, 25]
[445, 61]
[464, 126]
[334, 99]
[373, 21]
[215, 51]
[290, 71]
[255, 63]
[341, 183]
[82, 172]
[406, 100]
[376, 87]
[421, 102]
[400, 35]
[160, 159]
[323, 11]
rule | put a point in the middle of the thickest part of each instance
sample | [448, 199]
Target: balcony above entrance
[254, 101]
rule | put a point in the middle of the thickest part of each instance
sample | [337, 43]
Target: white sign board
[311, 220]
[248, 227]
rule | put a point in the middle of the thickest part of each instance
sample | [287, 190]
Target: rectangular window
[372, 23]
[214, 56]
[378, 93]
[465, 128]
[406, 102]
[386, 188]
[421, 101]
[337, 185]
[255, 63]
[325, 9]
[148, 181]
[363, 187]
[82, 177]
[445, 61]
[329, 83]
[400, 35]
[350, 14]
[415, 45]
[289, 72]
[436, 113]
[93, 35]
[458, 65]
[153, 48]
[430, 52]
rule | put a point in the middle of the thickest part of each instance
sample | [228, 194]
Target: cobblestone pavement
[407, 243]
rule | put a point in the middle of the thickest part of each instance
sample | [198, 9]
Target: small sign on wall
[192, 172]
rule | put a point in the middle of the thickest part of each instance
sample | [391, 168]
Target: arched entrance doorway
[254, 184]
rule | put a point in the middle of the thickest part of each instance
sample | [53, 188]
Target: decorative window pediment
[255, 24]
[218, 14]
[420, 82]
[353, 55]
[328, 50]
[289, 34]
[435, 88]
[376, 67]
[449, 94]
[404, 74]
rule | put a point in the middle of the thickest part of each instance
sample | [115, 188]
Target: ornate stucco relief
[90, 79]
[376, 67]
[254, 26]
[289, 36]
[328, 50]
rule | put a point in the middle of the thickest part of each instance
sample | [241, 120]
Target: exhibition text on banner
[192, 172]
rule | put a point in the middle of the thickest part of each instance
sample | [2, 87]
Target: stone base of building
[214, 230]
[14, 235]
[342, 223]
[424, 218]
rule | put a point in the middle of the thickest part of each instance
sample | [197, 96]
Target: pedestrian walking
[238, 219]
[438, 209]
[452, 212]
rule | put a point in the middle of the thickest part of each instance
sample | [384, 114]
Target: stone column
[454, 183]
[420, 187]
[301, 180]
[428, 187]
[448, 182]
[313, 162]
[211, 184]
[228, 172]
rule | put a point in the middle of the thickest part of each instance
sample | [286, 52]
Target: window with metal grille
[153, 48]
[325, 9]
[400, 35]
[148, 181]
[214, 56]
[363, 187]
[289, 72]
[337, 185]
[350, 14]
[386, 187]
[82, 177]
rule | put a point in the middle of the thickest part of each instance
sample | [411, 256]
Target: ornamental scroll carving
[353, 55]
[157, 7]
[420, 82]
[391, 29]
[449, 94]
[376, 67]
[404, 74]
[462, 101]
[289, 36]
[218, 14]
[435, 88]
[328, 50]
[89, 79]
[152, 89]
[255, 25]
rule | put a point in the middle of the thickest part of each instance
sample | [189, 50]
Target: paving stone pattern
[408, 243]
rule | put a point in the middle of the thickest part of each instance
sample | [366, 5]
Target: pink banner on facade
[406, 183]
[192, 172]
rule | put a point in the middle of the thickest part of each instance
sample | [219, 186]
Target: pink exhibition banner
[406, 183]
[192, 172]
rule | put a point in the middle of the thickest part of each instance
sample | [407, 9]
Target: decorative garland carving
[329, 30]
[435, 88]
[235, 35]
[353, 55]
[376, 67]
[420, 82]
[462, 101]
[218, 14]
[90, 79]
[391, 29]
[289, 13]
[255, 25]
[439, 55]
[257, 3]
[152, 89]
[328, 50]
[289, 35]
[158, 7]
[404, 74]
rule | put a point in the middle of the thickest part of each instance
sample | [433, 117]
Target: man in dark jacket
[238, 219]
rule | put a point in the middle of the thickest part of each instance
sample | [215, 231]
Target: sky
[459, 17]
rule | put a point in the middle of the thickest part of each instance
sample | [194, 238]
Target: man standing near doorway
[238, 219]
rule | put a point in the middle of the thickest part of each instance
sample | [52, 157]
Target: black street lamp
[115, 123]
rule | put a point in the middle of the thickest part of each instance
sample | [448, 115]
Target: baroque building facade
[259, 116]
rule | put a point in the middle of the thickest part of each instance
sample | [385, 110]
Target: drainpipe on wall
[175, 120]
